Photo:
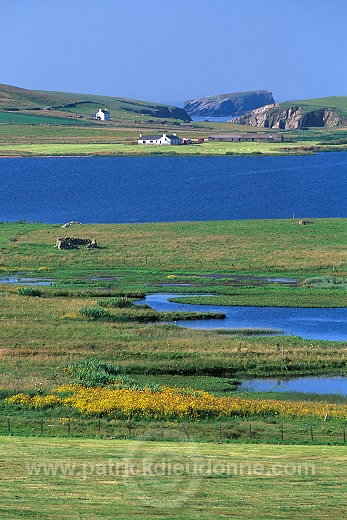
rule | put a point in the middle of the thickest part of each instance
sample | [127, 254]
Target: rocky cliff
[283, 117]
[228, 105]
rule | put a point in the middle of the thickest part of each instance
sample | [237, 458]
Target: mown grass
[309, 481]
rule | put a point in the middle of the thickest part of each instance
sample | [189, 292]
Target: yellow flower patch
[173, 402]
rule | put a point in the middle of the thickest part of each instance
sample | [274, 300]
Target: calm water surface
[308, 323]
[164, 189]
[318, 385]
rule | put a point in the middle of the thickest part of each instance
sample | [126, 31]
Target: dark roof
[155, 137]
[151, 137]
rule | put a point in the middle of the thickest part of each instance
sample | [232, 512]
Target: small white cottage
[159, 139]
[103, 115]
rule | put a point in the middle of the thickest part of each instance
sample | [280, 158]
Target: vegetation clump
[92, 373]
[120, 302]
[326, 282]
[94, 313]
[29, 291]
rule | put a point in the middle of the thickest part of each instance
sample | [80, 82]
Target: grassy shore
[254, 247]
[67, 137]
[204, 149]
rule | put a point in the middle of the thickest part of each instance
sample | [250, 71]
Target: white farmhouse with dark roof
[159, 139]
[103, 114]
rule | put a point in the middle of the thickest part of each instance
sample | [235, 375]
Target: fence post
[99, 426]
[9, 424]
[250, 430]
[185, 430]
[162, 430]
[69, 425]
[344, 434]
[311, 432]
[282, 432]
[129, 426]
[220, 433]
[41, 426]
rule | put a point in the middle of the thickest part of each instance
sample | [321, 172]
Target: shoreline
[155, 154]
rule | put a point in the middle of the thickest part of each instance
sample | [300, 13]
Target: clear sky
[173, 50]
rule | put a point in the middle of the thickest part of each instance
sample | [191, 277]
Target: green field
[259, 247]
[128, 149]
[81, 140]
[56, 478]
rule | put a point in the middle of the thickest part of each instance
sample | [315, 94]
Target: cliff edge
[228, 105]
[324, 112]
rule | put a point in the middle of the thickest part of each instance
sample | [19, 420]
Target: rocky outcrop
[285, 118]
[168, 112]
[74, 243]
[228, 105]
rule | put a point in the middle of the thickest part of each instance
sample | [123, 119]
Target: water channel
[308, 323]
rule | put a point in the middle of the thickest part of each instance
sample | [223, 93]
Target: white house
[103, 114]
[159, 139]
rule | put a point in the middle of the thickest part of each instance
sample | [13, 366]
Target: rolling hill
[19, 99]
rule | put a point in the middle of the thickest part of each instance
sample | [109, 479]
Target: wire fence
[233, 430]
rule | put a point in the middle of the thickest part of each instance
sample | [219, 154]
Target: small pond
[26, 281]
[308, 323]
[317, 385]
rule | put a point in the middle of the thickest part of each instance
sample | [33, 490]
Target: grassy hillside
[14, 98]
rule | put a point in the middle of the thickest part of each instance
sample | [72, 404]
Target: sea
[167, 189]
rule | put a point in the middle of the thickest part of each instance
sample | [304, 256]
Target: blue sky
[176, 50]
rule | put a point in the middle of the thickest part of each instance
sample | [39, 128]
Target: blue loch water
[308, 323]
[166, 189]
[314, 384]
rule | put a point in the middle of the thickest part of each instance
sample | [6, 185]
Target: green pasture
[18, 118]
[203, 149]
[74, 478]
[182, 249]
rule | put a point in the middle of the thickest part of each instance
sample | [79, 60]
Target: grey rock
[275, 116]
[228, 105]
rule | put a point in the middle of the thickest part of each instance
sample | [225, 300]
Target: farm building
[103, 114]
[159, 139]
[245, 138]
